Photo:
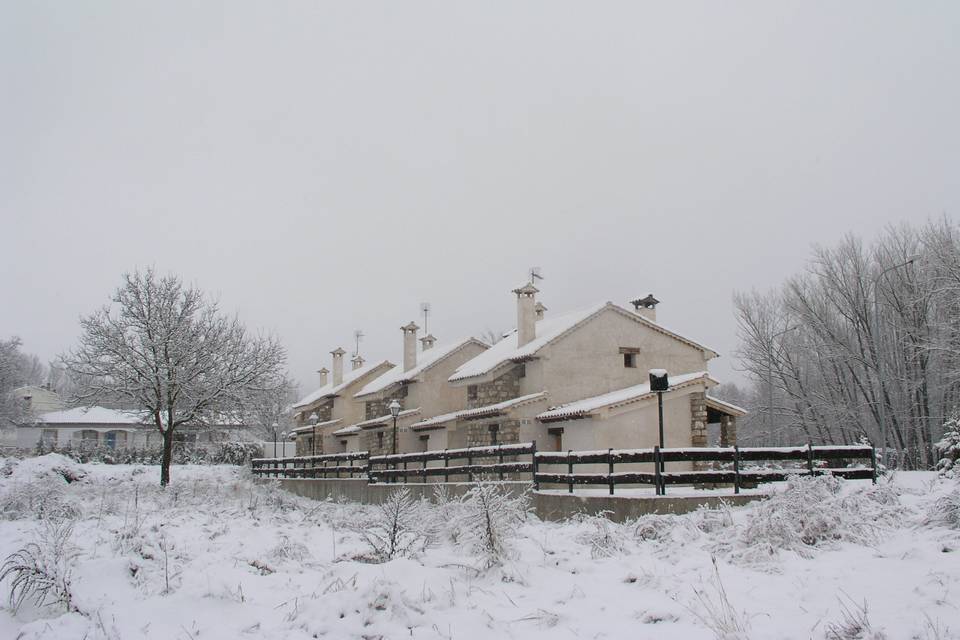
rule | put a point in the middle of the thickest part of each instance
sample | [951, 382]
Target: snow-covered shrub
[395, 529]
[945, 510]
[41, 570]
[490, 521]
[854, 623]
[813, 512]
[605, 538]
[948, 448]
[288, 549]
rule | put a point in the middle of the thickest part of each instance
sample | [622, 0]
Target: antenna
[535, 274]
[357, 337]
[425, 310]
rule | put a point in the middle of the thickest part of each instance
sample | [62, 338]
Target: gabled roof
[636, 393]
[92, 415]
[479, 412]
[310, 427]
[427, 359]
[376, 422]
[329, 389]
[726, 407]
[548, 331]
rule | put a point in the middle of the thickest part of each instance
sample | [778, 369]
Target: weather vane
[535, 275]
[425, 310]
[357, 337]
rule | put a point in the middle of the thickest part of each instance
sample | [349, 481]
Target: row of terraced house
[577, 380]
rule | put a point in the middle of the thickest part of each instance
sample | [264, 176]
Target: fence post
[424, 471]
[569, 470]
[610, 468]
[658, 480]
[536, 466]
[500, 459]
[404, 472]
[369, 470]
[873, 464]
[810, 458]
[736, 468]
[446, 463]
[469, 464]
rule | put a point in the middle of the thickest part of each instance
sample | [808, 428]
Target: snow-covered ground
[217, 556]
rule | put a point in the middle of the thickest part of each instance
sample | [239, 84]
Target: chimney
[357, 361]
[646, 307]
[337, 366]
[526, 315]
[409, 345]
[539, 310]
[323, 376]
[428, 341]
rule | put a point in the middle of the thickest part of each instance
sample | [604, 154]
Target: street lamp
[876, 342]
[770, 378]
[394, 407]
[659, 382]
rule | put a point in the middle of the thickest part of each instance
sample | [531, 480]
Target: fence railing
[470, 462]
[333, 465]
[497, 461]
[735, 473]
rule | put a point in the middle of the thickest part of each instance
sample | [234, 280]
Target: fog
[325, 167]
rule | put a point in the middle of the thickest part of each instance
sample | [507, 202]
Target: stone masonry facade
[479, 434]
[698, 419]
[502, 388]
[378, 408]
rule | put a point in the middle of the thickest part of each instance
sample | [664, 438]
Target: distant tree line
[867, 334]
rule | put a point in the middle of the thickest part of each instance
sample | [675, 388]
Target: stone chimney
[428, 341]
[410, 345]
[526, 314]
[646, 307]
[323, 376]
[539, 310]
[337, 366]
[357, 361]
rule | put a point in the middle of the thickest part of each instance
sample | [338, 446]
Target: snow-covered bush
[605, 538]
[396, 528]
[948, 448]
[945, 510]
[236, 453]
[40, 571]
[814, 512]
[490, 521]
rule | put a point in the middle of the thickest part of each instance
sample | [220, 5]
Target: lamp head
[394, 407]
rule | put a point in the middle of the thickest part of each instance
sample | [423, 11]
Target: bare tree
[866, 337]
[16, 370]
[165, 348]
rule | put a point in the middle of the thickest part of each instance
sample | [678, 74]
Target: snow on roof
[426, 359]
[507, 350]
[92, 415]
[618, 397]
[729, 407]
[347, 431]
[547, 330]
[490, 409]
[329, 389]
[311, 427]
[382, 419]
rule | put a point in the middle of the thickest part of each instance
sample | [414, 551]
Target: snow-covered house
[421, 388]
[580, 381]
[332, 406]
[37, 400]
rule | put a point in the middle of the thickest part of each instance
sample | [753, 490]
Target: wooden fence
[469, 463]
[732, 465]
[733, 458]
[334, 465]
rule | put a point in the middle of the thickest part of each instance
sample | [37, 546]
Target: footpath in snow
[217, 556]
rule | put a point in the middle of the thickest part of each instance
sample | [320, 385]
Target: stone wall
[505, 387]
[478, 432]
[728, 431]
[370, 441]
[698, 419]
[378, 408]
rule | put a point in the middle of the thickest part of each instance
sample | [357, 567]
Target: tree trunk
[167, 457]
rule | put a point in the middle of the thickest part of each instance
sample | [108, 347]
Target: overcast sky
[323, 167]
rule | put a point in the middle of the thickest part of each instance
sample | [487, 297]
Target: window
[425, 443]
[380, 440]
[49, 437]
[630, 360]
[522, 371]
[494, 430]
[472, 392]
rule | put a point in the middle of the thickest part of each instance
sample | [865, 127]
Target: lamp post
[770, 379]
[394, 407]
[659, 382]
[876, 342]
